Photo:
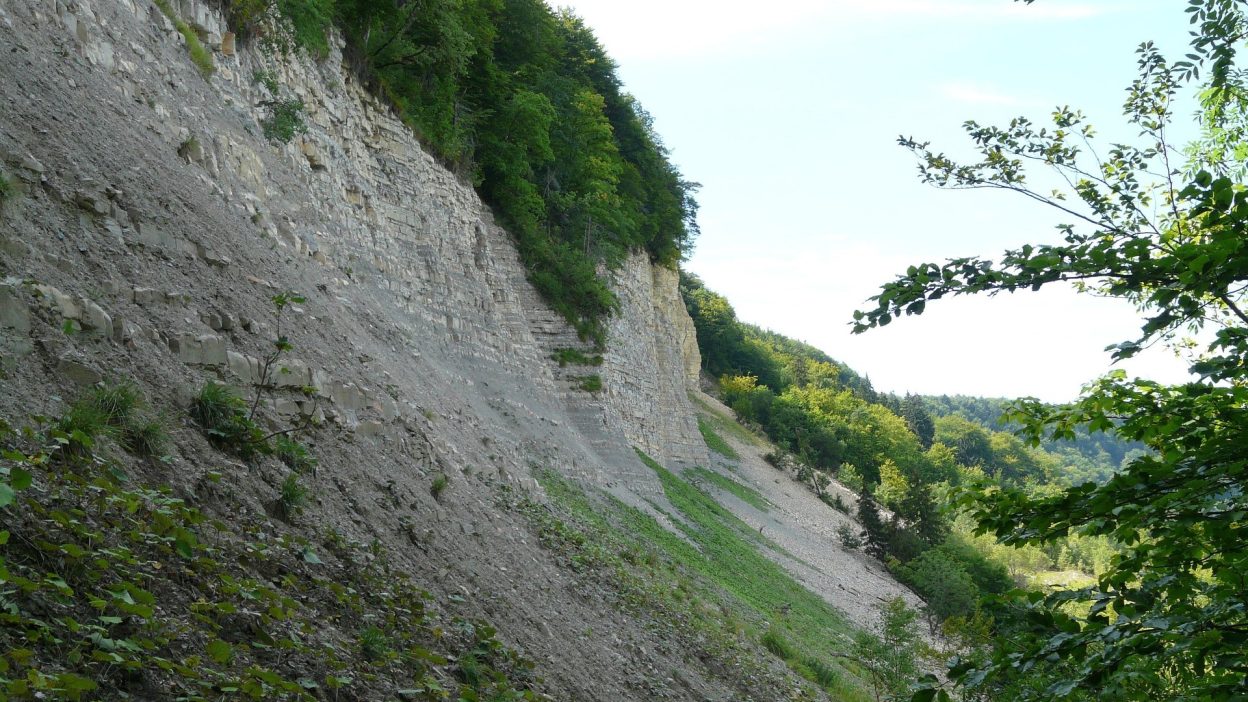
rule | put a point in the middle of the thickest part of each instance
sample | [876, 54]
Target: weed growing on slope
[291, 497]
[439, 485]
[590, 383]
[746, 494]
[576, 357]
[294, 454]
[731, 556]
[714, 441]
[200, 55]
[7, 189]
[711, 578]
[113, 590]
[226, 422]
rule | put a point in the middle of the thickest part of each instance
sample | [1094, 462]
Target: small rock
[146, 296]
[76, 372]
[95, 319]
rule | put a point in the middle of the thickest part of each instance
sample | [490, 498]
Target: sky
[787, 112]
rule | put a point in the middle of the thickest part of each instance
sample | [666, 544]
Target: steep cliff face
[150, 224]
[173, 165]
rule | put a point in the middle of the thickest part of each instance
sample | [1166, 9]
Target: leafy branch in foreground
[1168, 619]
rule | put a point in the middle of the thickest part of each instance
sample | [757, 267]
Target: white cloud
[658, 29]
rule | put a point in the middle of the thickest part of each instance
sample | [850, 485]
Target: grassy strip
[712, 578]
[731, 559]
[746, 494]
[727, 424]
[200, 55]
[714, 441]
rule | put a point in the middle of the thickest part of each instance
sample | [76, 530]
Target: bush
[292, 497]
[849, 537]
[285, 120]
[294, 454]
[576, 357]
[144, 437]
[942, 582]
[591, 383]
[438, 486]
[224, 418]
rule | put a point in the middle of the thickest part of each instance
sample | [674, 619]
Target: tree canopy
[1164, 227]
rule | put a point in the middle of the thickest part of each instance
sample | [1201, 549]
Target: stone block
[291, 374]
[124, 331]
[14, 314]
[212, 350]
[77, 372]
[245, 368]
[370, 428]
[146, 296]
[60, 302]
[95, 319]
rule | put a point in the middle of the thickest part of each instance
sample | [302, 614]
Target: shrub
[224, 418]
[850, 538]
[285, 120]
[591, 383]
[373, 644]
[439, 485]
[944, 584]
[566, 356]
[267, 80]
[292, 497]
[144, 437]
[294, 454]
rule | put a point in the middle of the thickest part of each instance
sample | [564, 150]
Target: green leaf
[20, 478]
[220, 651]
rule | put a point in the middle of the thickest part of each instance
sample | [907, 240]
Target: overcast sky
[787, 112]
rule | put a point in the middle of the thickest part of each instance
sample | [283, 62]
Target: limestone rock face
[404, 259]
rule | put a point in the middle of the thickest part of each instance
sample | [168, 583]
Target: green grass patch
[590, 383]
[726, 424]
[731, 558]
[200, 55]
[7, 189]
[746, 494]
[712, 576]
[714, 441]
[575, 357]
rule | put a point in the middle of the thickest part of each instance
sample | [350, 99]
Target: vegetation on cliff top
[525, 103]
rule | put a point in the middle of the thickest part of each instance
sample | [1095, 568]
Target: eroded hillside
[151, 224]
